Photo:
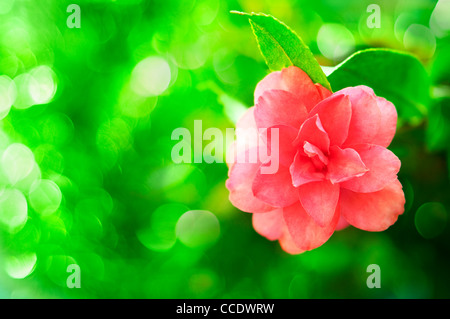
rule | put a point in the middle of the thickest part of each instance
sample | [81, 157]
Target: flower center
[318, 158]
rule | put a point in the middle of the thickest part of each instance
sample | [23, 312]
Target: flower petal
[272, 226]
[305, 232]
[323, 92]
[366, 115]
[239, 184]
[249, 145]
[294, 80]
[313, 152]
[272, 81]
[304, 171]
[313, 132]
[383, 167]
[247, 119]
[319, 199]
[281, 146]
[247, 134]
[342, 223]
[231, 156]
[275, 189]
[288, 244]
[373, 211]
[276, 107]
[344, 164]
[335, 114]
[388, 122]
[269, 224]
[388, 117]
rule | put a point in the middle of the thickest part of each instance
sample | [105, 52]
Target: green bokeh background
[86, 169]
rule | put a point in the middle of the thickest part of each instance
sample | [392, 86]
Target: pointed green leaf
[281, 47]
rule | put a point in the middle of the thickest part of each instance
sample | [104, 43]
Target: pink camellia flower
[334, 167]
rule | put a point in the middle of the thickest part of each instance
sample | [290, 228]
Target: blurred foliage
[85, 138]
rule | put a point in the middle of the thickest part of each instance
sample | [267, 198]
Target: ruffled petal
[288, 244]
[276, 107]
[293, 80]
[335, 113]
[231, 155]
[281, 146]
[373, 211]
[312, 131]
[323, 92]
[388, 122]
[247, 120]
[272, 81]
[319, 199]
[383, 167]
[342, 223]
[247, 138]
[275, 189]
[344, 164]
[269, 224]
[239, 183]
[247, 134]
[378, 129]
[305, 232]
[314, 152]
[304, 171]
[272, 226]
[366, 116]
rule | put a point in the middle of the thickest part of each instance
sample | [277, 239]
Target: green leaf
[281, 47]
[437, 132]
[399, 77]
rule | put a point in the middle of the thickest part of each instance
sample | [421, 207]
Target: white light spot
[17, 162]
[439, 20]
[198, 228]
[7, 95]
[43, 89]
[419, 38]
[45, 197]
[24, 82]
[19, 267]
[335, 41]
[13, 210]
[150, 77]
